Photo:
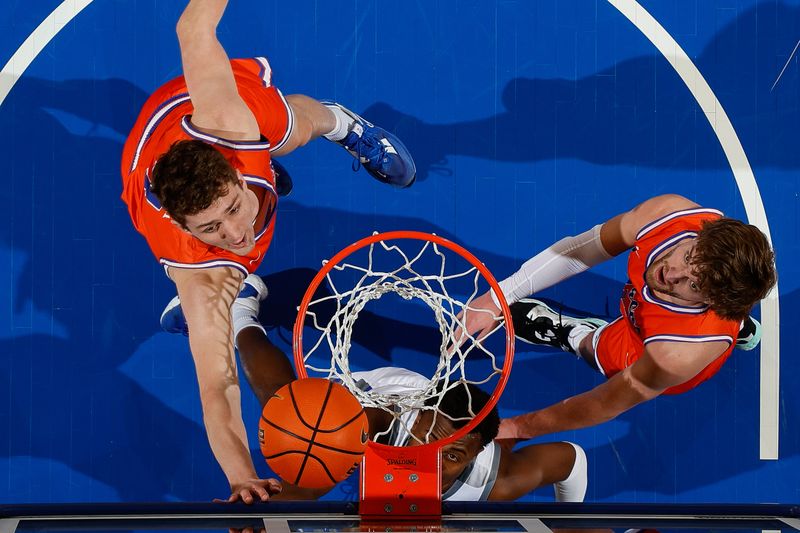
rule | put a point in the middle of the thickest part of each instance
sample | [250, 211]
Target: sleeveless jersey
[647, 318]
[165, 119]
[477, 480]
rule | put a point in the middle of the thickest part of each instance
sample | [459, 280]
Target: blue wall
[528, 121]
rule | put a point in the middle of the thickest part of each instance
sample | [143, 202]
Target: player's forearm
[569, 414]
[601, 404]
[562, 260]
[226, 433]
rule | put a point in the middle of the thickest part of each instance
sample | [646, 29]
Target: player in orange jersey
[200, 186]
[693, 278]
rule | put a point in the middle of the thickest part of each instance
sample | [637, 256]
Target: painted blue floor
[528, 121]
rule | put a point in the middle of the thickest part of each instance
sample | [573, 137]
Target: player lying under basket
[475, 467]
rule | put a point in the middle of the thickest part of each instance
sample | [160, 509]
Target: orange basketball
[313, 433]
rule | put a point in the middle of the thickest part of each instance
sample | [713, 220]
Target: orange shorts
[272, 111]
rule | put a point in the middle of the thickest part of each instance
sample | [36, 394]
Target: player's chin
[241, 250]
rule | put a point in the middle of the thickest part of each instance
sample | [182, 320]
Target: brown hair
[735, 266]
[190, 177]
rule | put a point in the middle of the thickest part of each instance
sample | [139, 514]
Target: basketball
[313, 433]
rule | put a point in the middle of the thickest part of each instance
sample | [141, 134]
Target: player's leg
[381, 153]
[265, 366]
[561, 464]
[536, 323]
[572, 488]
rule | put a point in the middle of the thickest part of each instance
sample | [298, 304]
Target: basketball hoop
[404, 481]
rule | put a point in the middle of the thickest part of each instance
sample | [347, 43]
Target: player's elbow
[638, 391]
[190, 28]
[185, 32]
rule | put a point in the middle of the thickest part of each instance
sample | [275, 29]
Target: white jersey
[477, 480]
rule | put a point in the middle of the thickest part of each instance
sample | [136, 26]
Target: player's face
[457, 455]
[228, 222]
[673, 275]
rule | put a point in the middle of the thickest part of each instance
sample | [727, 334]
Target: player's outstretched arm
[571, 256]
[206, 298]
[218, 108]
[663, 365]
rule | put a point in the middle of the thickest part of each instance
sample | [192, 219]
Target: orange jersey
[165, 119]
[646, 318]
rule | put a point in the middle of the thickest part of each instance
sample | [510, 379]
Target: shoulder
[652, 210]
[669, 363]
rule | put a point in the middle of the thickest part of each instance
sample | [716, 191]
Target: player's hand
[511, 432]
[479, 318]
[251, 490]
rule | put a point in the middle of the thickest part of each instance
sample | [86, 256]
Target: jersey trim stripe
[689, 338]
[270, 218]
[250, 146]
[596, 342]
[672, 241]
[266, 71]
[258, 180]
[676, 214]
[148, 194]
[216, 263]
[493, 473]
[289, 123]
[155, 119]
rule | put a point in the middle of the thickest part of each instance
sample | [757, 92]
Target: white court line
[751, 196]
[35, 43]
[785, 65]
[9, 525]
[792, 522]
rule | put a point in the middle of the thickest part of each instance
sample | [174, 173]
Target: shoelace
[369, 148]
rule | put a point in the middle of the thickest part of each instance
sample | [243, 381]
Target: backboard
[307, 517]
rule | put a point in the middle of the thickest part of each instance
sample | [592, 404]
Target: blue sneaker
[283, 181]
[380, 152]
[749, 334]
[253, 292]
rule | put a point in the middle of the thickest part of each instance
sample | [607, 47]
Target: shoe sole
[175, 302]
[598, 322]
[750, 345]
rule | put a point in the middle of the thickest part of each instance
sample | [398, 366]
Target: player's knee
[586, 347]
[302, 130]
[315, 118]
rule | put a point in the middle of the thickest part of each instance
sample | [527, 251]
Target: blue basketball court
[528, 121]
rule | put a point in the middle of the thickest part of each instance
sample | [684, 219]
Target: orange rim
[299, 360]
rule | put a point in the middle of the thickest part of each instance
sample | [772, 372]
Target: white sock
[577, 334]
[244, 314]
[344, 123]
[573, 489]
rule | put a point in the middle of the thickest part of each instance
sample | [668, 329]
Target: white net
[446, 283]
